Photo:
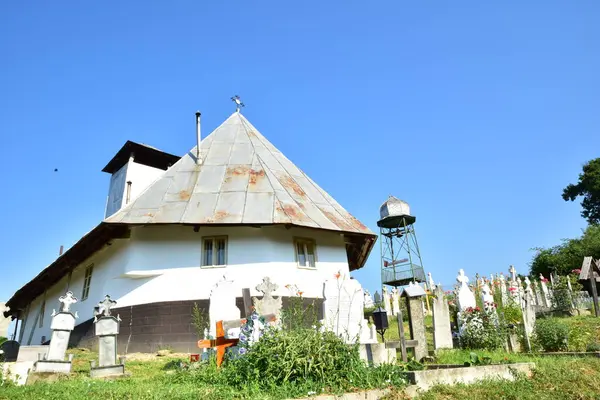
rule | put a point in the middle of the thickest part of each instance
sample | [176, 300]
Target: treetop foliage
[588, 187]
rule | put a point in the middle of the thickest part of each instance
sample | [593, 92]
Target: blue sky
[477, 114]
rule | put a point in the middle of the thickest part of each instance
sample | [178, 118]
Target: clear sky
[477, 114]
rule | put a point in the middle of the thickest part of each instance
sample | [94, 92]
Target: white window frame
[87, 281]
[214, 255]
[305, 242]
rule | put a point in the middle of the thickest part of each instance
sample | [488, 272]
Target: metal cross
[105, 306]
[238, 102]
[66, 301]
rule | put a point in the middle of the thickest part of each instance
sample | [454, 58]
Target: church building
[232, 206]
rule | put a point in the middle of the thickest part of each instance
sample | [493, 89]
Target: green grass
[554, 378]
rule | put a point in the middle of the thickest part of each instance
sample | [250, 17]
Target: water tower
[400, 256]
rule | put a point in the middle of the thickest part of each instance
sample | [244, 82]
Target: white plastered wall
[162, 263]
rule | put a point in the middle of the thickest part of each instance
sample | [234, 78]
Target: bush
[481, 330]
[551, 334]
[298, 360]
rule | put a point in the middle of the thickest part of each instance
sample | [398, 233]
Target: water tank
[393, 207]
[394, 212]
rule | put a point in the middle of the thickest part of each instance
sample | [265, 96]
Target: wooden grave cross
[220, 343]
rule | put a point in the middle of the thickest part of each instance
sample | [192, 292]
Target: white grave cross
[105, 306]
[67, 300]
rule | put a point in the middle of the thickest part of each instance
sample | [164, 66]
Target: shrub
[481, 330]
[551, 334]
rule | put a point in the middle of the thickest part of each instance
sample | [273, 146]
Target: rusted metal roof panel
[236, 178]
[201, 208]
[230, 208]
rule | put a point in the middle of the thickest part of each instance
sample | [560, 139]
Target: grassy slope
[555, 378]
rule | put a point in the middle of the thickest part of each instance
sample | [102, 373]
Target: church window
[214, 251]
[305, 253]
[87, 282]
[42, 312]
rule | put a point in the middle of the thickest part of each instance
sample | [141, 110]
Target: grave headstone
[502, 286]
[343, 309]
[545, 292]
[369, 303]
[106, 327]
[414, 295]
[529, 309]
[442, 332]
[486, 294]
[387, 304]
[395, 301]
[430, 282]
[62, 325]
[521, 292]
[268, 304]
[513, 287]
[223, 306]
[539, 297]
[465, 298]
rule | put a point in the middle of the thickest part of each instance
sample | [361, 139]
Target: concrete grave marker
[268, 304]
[465, 297]
[395, 301]
[369, 303]
[106, 328]
[442, 333]
[414, 295]
[545, 292]
[62, 324]
[343, 309]
[387, 305]
[223, 305]
[502, 285]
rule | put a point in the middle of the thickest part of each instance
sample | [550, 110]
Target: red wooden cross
[220, 343]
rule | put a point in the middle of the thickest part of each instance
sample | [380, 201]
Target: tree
[588, 187]
[567, 256]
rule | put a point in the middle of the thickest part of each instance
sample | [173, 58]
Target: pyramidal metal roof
[241, 179]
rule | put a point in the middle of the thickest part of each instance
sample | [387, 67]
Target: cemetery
[289, 320]
[503, 333]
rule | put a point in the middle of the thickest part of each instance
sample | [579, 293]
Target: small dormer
[132, 170]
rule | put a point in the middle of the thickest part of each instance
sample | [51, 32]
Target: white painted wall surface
[162, 263]
[140, 176]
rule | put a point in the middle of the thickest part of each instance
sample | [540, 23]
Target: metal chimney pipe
[60, 251]
[198, 138]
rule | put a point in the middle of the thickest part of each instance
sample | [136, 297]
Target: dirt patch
[154, 356]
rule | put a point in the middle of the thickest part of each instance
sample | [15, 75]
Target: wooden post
[247, 302]
[401, 335]
[593, 286]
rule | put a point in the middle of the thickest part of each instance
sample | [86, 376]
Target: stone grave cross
[106, 328]
[62, 324]
[513, 273]
[66, 301]
[268, 304]
[105, 306]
